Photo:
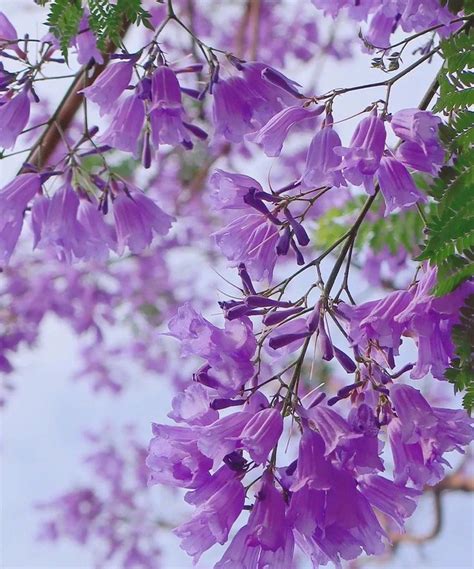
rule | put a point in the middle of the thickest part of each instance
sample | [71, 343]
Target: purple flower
[242, 104]
[422, 434]
[55, 224]
[377, 320]
[8, 36]
[100, 238]
[232, 111]
[166, 113]
[229, 189]
[110, 84]
[265, 541]
[361, 160]
[273, 134]
[429, 321]
[414, 156]
[397, 186]
[331, 426]
[322, 163]
[14, 197]
[413, 125]
[330, 517]
[137, 219]
[250, 239]
[261, 434]
[193, 406]
[398, 502]
[174, 458]
[228, 352]
[126, 125]
[222, 437]
[381, 27]
[7, 29]
[14, 115]
[219, 503]
[86, 45]
[271, 90]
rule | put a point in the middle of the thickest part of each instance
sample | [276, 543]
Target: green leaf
[450, 231]
[106, 19]
[63, 20]
[461, 370]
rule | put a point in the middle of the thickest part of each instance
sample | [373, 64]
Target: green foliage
[402, 229]
[63, 20]
[106, 19]
[461, 371]
[455, 6]
[457, 83]
[450, 231]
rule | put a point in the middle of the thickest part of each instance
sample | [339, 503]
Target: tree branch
[64, 114]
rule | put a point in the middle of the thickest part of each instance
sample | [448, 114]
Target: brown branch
[64, 114]
[255, 9]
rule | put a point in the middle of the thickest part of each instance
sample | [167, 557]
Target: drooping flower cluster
[322, 497]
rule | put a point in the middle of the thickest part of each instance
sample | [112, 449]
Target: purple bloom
[14, 115]
[417, 126]
[377, 320]
[222, 437]
[331, 518]
[55, 224]
[8, 35]
[229, 189]
[86, 45]
[137, 219]
[174, 458]
[331, 426]
[381, 27]
[398, 502]
[361, 160]
[7, 29]
[228, 352]
[219, 503]
[429, 321]
[242, 104]
[261, 434]
[397, 186]
[422, 434]
[110, 84]
[414, 156]
[322, 163]
[271, 90]
[250, 239]
[273, 134]
[313, 470]
[265, 541]
[14, 197]
[126, 125]
[166, 114]
[99, 236]
[232, 112]
[193, 406]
